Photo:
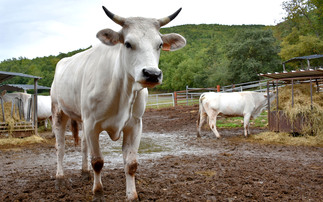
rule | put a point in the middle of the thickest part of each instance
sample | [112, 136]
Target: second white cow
[246, 104]
[44, 108]
[44, 105]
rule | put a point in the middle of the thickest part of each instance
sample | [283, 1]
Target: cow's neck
[119, 110]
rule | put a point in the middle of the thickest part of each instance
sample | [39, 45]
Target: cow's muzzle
[152, 77]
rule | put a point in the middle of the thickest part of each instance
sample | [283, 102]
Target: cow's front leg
[246, 120]
[92, 140]
[131, 141]
[85, 163]
[58, 128]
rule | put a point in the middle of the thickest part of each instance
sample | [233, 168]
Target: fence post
[218, 88]
[186, 95]
[157, 100]
[175, 98]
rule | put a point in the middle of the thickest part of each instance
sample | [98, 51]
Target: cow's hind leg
[200, 122]
[58, 128]
[212, 122]
[131, 141]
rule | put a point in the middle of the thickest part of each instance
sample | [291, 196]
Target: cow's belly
[229, 110]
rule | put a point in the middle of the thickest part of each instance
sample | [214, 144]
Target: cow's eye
[128, 45]
[160, 46]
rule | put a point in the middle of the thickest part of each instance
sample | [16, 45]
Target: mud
[175, 166]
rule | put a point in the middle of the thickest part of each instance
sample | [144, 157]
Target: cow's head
[141, 45]
[272, 96]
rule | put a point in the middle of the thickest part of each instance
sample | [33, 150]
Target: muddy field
[174, 165]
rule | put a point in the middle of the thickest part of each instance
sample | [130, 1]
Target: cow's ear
[173, 42]
[109, 37]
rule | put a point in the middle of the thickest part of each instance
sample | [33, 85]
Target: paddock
[174, 165]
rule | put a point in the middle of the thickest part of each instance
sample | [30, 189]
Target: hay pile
[10, 120]
[34, 139]
[287, 139]
[302, 107]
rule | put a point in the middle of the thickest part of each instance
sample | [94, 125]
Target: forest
[216, 54]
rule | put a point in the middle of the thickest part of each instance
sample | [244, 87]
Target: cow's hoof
[86, 175]
[98, 196]
[61, 183]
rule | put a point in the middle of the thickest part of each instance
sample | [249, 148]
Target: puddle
[152, 146]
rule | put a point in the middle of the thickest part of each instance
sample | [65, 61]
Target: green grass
[233, 122]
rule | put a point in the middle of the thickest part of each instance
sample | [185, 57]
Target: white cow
[43, 104]
[246, 104]
[105, 88]
[44, 108]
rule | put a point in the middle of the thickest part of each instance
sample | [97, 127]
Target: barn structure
[19, 129]
[309, 76]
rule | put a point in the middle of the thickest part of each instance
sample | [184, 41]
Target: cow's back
[231, 104]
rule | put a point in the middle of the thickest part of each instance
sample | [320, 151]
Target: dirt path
[205, 169]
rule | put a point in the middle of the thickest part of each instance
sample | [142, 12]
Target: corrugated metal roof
[295, 74]
[18, 87]
[309, 57]
[8, 75]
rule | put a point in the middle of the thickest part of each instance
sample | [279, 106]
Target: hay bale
[302, 107]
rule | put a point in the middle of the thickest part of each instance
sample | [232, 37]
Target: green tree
[304, 23]
[252, 52]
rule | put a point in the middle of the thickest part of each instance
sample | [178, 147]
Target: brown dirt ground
[237, 170]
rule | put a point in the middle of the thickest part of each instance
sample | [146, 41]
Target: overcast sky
[37, 28]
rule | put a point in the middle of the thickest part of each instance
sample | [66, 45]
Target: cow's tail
[199, 113]
[198, 118]
[75, 131]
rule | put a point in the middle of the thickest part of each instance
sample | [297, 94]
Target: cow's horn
[166, 20]
[117, 19]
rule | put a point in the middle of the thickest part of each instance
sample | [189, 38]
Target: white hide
[44, 107]
[246, 104]
[105, 88]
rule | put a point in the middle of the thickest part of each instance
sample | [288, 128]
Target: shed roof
[8, 75]
[17, 87]
[301, 74]
[309, 57]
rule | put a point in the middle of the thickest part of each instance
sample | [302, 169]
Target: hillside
[205, 61]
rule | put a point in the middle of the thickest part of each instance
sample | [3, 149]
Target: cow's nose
[152, 75]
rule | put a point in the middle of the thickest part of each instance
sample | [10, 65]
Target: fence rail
[164, 99]
[191, 96]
